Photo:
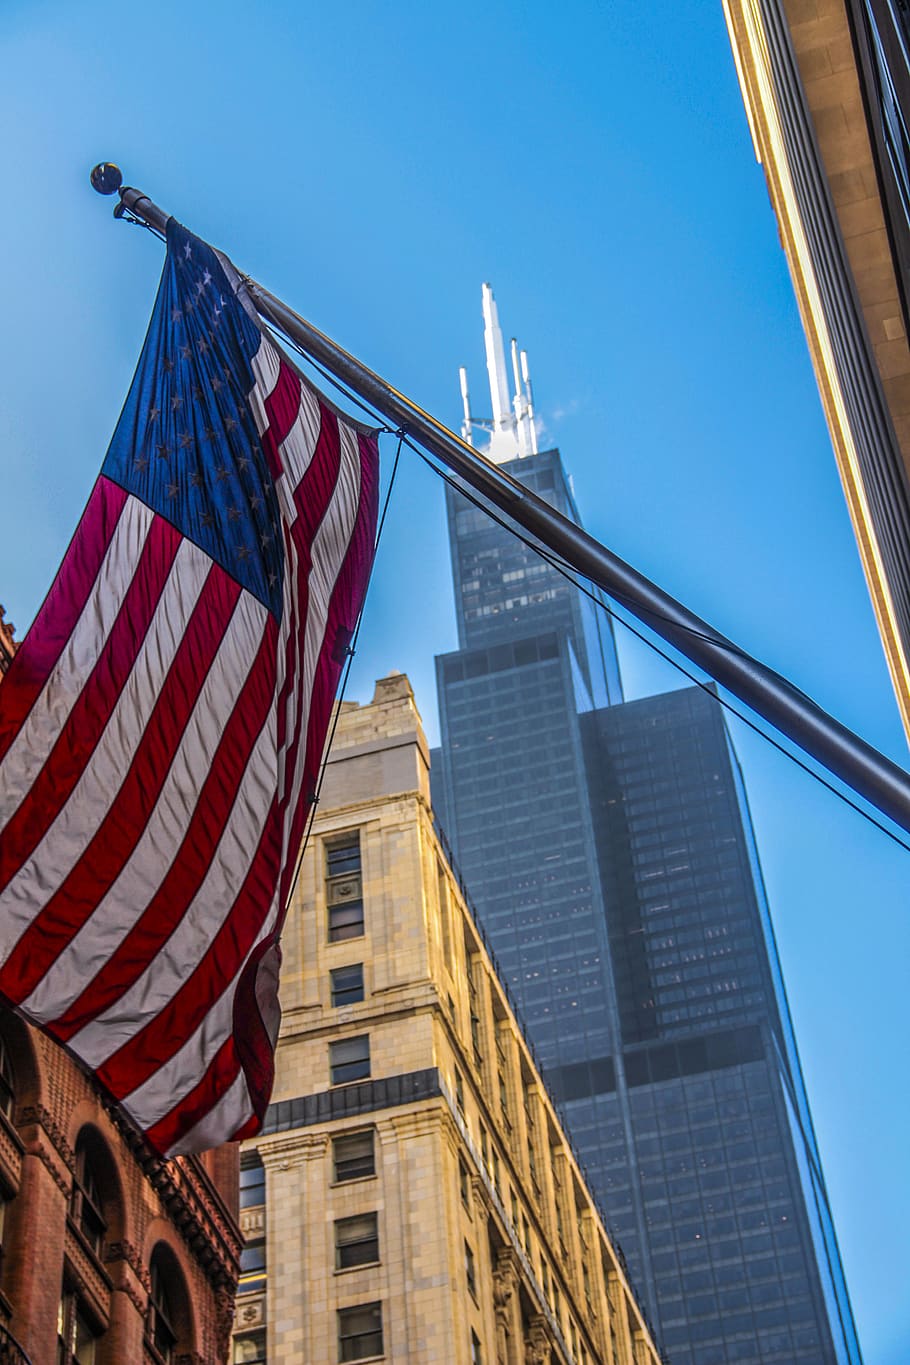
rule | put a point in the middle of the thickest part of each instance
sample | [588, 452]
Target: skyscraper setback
[608, 848]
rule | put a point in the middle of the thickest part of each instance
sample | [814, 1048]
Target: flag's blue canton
[186, 442]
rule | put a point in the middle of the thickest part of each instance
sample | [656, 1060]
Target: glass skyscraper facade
[608, 849]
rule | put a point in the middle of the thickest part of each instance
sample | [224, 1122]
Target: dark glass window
[252, 1181]
[349, 1059]
[476, 1357]
[356, 1241]
[464, 1186]
[76, 1333]
[353, 1156]
[360, 1332]
[347, 985]
[160, 1323]
[249, 1349]
[344, 887]
[252, 1266]
[85, 1199]
[470, 1269]
[7, 1085]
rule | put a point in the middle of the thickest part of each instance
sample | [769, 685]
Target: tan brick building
[826, 84]
[412, 1196]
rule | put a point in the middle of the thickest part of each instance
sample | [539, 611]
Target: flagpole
[883, 783]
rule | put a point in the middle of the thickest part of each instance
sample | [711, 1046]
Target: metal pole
[858, 764]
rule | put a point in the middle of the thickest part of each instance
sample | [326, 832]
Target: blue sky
[372, 164]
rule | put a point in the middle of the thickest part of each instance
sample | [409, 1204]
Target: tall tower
[608, 849]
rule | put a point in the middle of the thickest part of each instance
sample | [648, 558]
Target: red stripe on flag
[194, 857]
[35, 658]
[282, 407]
[220, 1075]
[347, 596]
[312, 498]
[155, 1044]
[92, 709]
[120, 831]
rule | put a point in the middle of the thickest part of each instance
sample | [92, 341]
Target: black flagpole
[846, 755]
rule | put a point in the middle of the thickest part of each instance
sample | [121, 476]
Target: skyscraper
[411, 1195]
[608, 848]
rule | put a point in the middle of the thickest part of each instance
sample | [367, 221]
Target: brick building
[108, 1255]
[412, 1196]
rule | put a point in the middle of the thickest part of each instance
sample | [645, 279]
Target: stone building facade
[412, 1196]
[109, 1255]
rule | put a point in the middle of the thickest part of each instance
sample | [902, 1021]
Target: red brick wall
[188, 1205]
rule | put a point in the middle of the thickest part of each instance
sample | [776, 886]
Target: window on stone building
[77, 1335]
[252, 1181]
[349, 1059]
[356, 1241]
[7, 1082]
[347, 985]
[344, 887]
[85, 1198]
[470, 1269]
[160, 1326]
[442, 889]
[476, 1357]
[353, 1155]
[464, 1184]
[252, 1266]
[459, 1090]
[360, 1332]
[249, 1349]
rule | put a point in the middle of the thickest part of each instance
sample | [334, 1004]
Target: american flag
[162, 724]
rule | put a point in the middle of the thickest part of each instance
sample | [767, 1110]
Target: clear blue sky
[373, 163]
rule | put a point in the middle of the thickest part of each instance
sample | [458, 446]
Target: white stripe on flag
[138, 883]
[231, 1112]
[96, 791]
[29, 751]
[172, 1082]
[330, 547]
[208, 910]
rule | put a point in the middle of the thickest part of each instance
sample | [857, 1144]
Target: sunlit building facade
[412, 1196]
[827, 91]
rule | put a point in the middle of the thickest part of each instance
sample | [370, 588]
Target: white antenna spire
[496, 370]
[529, 402]
[466, 431]
[519, 403]
[512, 431]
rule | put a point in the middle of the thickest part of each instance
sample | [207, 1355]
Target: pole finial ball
[106, 178]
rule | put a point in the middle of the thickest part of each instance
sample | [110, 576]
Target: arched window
[168, 1326]
[86, 1200]
[7, 1084]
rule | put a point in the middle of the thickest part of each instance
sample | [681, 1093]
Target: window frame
[345, 1179]
[353, 1252]
[348, 1312]
[350, 992]
[335, 1067]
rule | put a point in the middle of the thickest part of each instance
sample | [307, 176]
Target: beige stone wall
[452, 1171]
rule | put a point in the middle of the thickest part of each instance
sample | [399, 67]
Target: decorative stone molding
[285, 1153]
[127, 1252]
[139, 1301]
[538, 1347]
[250, 1314]
[42, 1117]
